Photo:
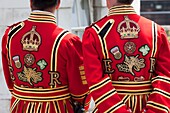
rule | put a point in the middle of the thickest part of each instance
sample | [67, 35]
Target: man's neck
[51, 10]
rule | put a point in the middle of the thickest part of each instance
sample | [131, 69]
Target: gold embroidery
[108, 66]
[139, 79]
[84, 82]
[116, 53]
[29, 59]
[81, 68]
[54, 78]
[30, 75]
[82, 72]
[128, 29]
[31, 40]
[11, 73]
[129, 47]
[121, 78]
[17, 62]
[130, 63]
[152, 66]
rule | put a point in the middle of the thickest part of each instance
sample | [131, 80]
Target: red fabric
[96, 47]
[36, 69]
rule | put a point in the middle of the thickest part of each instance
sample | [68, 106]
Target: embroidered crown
[128, 28]
[31, 40]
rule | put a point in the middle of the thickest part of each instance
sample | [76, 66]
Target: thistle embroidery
[131, 63]
[30, 75]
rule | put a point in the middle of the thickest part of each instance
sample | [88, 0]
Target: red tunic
[127, 63]
[43, 66]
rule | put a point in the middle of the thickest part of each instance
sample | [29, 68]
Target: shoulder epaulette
[103, 26]
[15, 24]
[15, 28]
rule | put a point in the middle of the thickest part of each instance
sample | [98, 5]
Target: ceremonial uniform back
[124, 57]
[43, 66]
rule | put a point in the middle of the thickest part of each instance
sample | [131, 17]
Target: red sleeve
[159, 100]
[104, 94]
[75, 69]
[5, 65]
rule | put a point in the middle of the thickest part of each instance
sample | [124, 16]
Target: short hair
[125, 1]
[44, 4]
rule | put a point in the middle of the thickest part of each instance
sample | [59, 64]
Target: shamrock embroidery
[144, 50]
[42, 64]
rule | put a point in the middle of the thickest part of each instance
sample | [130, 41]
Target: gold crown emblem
[31, 40]
[128, 28]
